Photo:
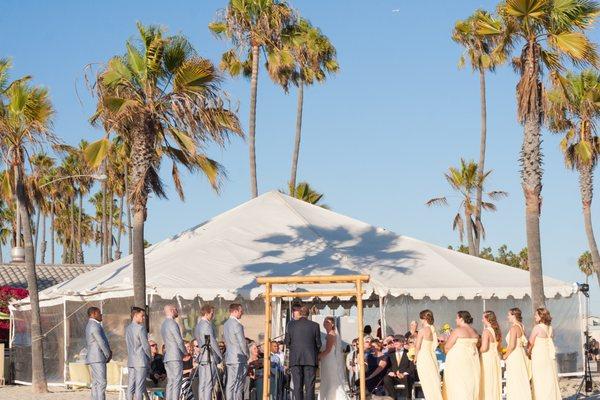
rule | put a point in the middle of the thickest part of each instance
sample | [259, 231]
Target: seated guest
[388, 344]
[157, 370]
[412, 330]
[195, 352]
[401, 370]
[377, 367]
[367, 331]
[277, 356]
[188, 360]
[352, 365]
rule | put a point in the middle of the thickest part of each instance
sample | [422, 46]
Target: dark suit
[303, 339]
[406, 368]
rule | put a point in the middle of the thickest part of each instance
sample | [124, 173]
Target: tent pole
[361, 339]
[267, 343]
[582, 329]
[382, 317]
[65, 344]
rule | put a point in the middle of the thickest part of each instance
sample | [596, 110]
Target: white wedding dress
[333, 374]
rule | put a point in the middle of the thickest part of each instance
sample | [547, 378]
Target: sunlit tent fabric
[276, 235]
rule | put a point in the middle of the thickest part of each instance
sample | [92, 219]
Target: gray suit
[138, 360]
[173, 357]
[236, 358]
[207, 374]
[98, 354]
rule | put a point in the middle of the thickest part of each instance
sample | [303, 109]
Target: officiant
[401, 371]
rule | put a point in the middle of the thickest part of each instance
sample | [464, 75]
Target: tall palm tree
[25, 118]
[41, 163]
[251, 25]
[165, 102]
[549, 31]
[6, 217]
[573, 109]
[305, 56]
[479, 51]
[586, 264]
[303, 191]
[465, 180]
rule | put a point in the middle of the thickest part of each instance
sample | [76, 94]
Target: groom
[303, 339]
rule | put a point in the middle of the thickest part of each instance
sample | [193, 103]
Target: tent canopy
[276, 235]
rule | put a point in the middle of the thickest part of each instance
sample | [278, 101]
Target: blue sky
[377, 137]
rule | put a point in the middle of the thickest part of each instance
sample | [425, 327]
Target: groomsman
[173, 354]
[98, 352]
[138, 354]
[236, 356]
[207, 374]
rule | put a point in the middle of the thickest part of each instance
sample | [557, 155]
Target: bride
[333, 377]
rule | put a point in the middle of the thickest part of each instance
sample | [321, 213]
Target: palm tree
[41, 163]
[25, 117]
[303, 191]
[6, 218]
[465, 181]
[586, 264]
[164, 101]
[306, 56]
[479, 51]
[573, 108]
[549, 31]
[251, 25]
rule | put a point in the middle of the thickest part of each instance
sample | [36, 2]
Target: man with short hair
[237, 354]
[173, 353]
[98, 352]
[139, 354]
[207, 373]
[401, 370]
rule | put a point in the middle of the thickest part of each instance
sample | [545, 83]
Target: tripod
[586, 382]
[206, 349]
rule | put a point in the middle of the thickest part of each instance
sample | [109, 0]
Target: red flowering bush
[8, 293]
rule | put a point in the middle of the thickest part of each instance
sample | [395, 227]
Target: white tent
[275, 234]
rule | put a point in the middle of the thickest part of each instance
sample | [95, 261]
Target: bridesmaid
[462, 371]
[543, 355]
[427, 365]
[517, 371]
[491, 372]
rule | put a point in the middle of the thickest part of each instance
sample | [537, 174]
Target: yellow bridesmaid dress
[517, 370]
[490, 387]
[462, 371]
[543, 367]
[427, 368]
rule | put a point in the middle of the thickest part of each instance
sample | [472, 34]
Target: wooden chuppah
[358, 291]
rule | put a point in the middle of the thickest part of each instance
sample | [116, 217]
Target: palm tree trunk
[120, 227]
[298, 136]
[52, 233]
[110, 226]
[531, 175]
[72, 247]
[43, 244]
[586, 185]
[79, 218]
[38, 376]
[470, 241]
[37, 231]
[129, 227]
[104, 224]
[252, 124]
[481, 164]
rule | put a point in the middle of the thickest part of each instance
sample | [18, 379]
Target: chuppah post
[267, 344]
[361, 338]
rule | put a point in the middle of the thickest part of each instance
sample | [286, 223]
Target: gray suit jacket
[235, 341]
[138, 349]
[98, 349]
[203, 328]
[171, 335]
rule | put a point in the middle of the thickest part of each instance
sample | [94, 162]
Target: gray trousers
[174, 377]
[98, 386]
[236, 375]
[136, 386]
[206, 381]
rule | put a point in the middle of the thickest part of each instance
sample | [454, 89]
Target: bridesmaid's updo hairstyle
[516, 312]
[465, 316]
[544, 315]
[426, 315]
